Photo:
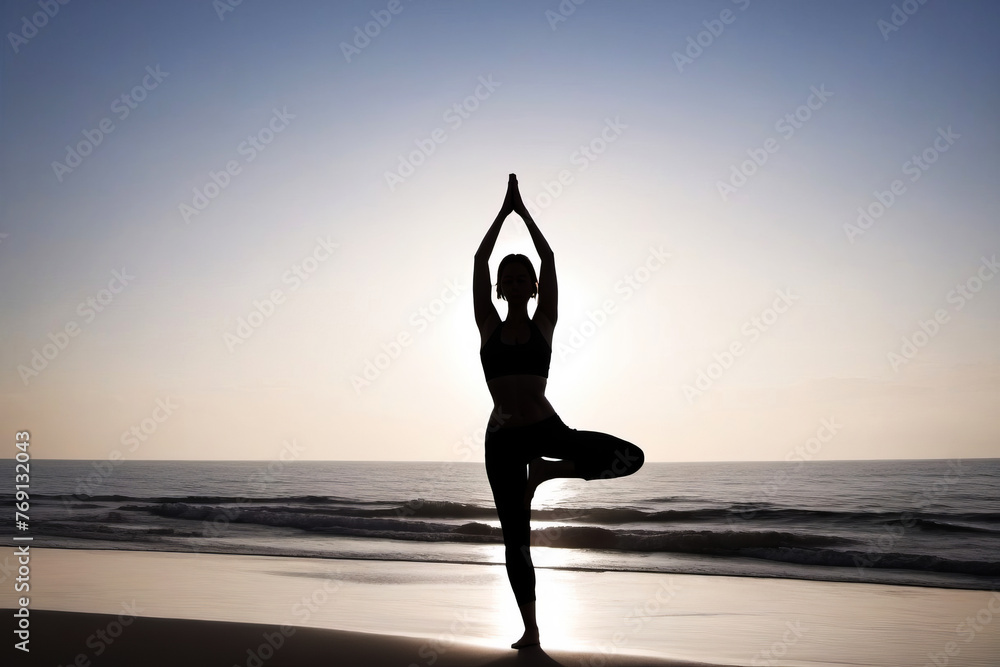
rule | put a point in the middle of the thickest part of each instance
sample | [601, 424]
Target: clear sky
[247, 232]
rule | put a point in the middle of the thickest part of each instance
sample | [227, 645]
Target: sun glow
[550, 494]
[556, 596]
[556, 610]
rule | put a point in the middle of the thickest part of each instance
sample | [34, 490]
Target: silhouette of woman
[524, 427]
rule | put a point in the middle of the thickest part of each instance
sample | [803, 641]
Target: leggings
[508, 451]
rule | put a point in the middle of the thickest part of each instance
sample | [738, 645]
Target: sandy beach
[221, 610]
[160, 641]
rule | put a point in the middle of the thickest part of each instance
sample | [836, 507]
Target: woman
[523, 425]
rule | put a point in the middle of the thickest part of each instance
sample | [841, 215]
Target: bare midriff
[519, 400]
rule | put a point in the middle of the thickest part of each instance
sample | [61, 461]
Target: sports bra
[529, 358]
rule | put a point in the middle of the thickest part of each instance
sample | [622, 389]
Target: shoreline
[588, 616]
[835, 573]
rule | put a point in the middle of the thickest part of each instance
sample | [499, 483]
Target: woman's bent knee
[625, 461]
[639, 458]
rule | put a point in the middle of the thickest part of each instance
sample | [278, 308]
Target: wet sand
[213, 609]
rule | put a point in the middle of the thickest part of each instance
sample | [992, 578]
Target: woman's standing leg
[506, 468]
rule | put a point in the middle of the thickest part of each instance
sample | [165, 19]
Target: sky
[246, 231]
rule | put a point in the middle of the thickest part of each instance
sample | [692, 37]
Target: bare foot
[529, 638]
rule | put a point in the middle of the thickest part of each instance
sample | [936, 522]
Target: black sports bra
[529, 358]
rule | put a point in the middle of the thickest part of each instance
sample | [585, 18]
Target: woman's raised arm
[482, 297]
[548, 289]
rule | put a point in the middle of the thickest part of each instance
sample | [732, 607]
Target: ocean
[922, 523]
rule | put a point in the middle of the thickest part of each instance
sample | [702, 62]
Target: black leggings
[508, 451]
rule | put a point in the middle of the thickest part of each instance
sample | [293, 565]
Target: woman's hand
[512, 195]
[515, 195]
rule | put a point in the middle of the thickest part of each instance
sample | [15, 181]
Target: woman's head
[516, 278]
